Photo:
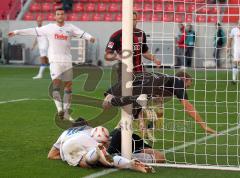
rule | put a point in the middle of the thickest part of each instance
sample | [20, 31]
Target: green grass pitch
[28, 128]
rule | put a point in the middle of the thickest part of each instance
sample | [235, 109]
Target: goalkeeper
[148, 85]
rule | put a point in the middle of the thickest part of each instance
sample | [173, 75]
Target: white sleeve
[231, 35]
[77, 32]
[38, 31]
[28, 31]
[59, 141]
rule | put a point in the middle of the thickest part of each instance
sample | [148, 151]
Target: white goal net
[167, 125]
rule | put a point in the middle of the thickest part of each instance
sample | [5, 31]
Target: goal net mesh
[165, 124]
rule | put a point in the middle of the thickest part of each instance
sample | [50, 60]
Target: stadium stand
[9, 9]
[161, 10]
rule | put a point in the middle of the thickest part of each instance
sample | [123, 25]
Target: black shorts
[138, 143]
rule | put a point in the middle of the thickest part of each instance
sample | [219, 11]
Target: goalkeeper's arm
[189, 108]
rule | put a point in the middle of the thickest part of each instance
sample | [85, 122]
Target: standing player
[235, 37]
[140, 48]
[148, 85]
[42, 43]
[59, 36]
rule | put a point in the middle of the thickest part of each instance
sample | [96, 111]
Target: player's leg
[149, 155]
[67, 98]
[57, 97]
[56, 81]
[44, 63]
[218, 61]
[114, 98]
[236, 60]
[124, 163]
[67, 77]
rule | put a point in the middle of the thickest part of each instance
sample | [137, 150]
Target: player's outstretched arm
[54, 153]
[28, 31]
[151, 57]
[77, 32]
[189, 108]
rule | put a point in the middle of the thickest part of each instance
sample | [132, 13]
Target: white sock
[144, 157]
[92, 156]
[67, 97]
[41, 69]
[121, 162]
[234, 74]
[57, 100]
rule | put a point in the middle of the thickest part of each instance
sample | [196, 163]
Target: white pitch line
[101, 173]
[13, 101]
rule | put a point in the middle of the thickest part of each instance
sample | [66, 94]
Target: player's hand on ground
[92, 40]
[11, 34]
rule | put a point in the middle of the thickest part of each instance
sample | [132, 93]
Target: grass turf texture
[28, 129]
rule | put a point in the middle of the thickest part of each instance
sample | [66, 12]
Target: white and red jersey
[59, 39]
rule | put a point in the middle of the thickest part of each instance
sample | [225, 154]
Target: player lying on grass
[148, 85]
[82, 146]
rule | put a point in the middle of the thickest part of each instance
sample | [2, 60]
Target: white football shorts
[236, 56]
[62, 71]
[43, 52]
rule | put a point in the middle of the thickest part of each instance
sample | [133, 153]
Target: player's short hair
[183, 74]
[59, 9]
[79, 122]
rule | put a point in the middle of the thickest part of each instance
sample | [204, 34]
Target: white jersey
[59, 39]
[71, 132]
[235, 34]
[73, 150]
[42, 42]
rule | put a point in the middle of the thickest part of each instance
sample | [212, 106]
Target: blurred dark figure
[190, 44]
[67, 5]
[219, 43]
